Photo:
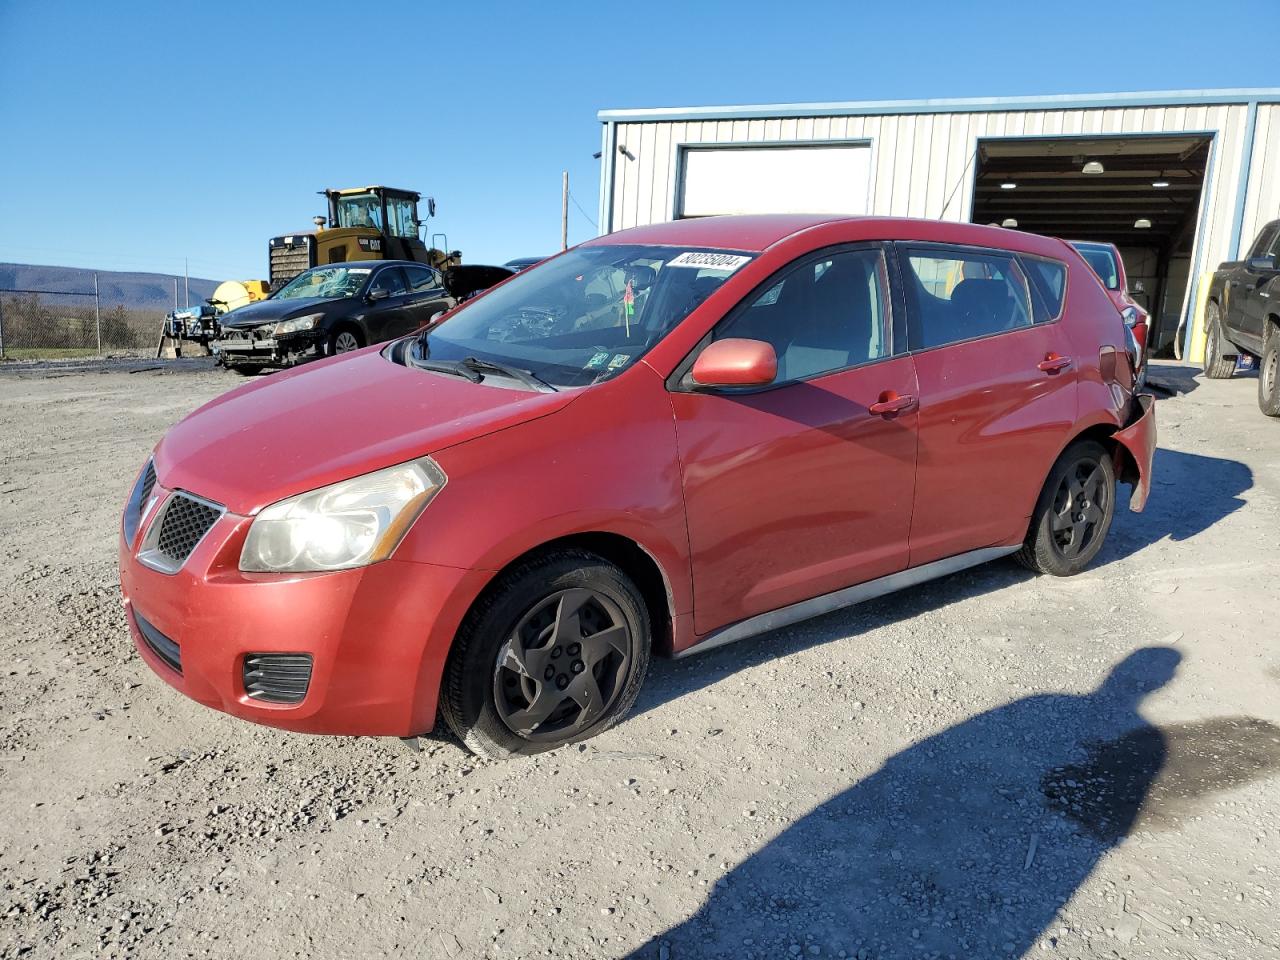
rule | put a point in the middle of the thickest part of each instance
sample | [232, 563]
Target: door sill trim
[846, 597]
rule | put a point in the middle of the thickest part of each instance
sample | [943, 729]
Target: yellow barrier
[1196, 352]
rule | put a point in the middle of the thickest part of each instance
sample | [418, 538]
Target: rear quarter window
[1048, 286]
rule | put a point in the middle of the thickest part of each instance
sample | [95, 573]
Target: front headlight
[349, 524]
[297, 325]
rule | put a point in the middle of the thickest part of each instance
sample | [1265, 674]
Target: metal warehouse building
[1178, 180]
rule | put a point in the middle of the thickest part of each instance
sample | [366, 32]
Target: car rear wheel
[1269, 372]
[344, 340]
[1074, 512]
[554, 653]
[1219, 364]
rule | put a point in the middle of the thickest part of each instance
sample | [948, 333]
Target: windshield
[359, 210]
[1102, 260]
[327, 283]
[585, 316]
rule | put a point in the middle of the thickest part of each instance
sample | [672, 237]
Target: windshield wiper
[454, 367]
[528, 378]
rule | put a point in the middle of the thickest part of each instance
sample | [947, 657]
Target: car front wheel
[344, 340]
[555, 652]
[1074, 512]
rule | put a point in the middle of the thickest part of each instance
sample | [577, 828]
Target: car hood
[328, 421]
[272, 311]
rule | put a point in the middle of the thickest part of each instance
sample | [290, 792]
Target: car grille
[137, 504]
[185, 522]
[158, 643]
[277, 677]
[148, 484]
[287, 257]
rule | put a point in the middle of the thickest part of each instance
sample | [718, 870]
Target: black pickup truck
[1243, 316]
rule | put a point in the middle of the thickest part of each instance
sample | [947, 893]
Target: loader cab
[371, 223]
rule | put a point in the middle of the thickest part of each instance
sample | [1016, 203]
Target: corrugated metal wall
[923, 164]
[1263, 201]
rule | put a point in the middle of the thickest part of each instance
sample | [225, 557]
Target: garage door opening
[1141, 193]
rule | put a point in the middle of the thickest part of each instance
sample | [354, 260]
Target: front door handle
[891, 402]
[1053, 363]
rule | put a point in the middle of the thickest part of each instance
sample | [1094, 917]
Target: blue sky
[135, 134]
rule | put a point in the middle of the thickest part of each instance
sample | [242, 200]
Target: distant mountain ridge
[134, 291]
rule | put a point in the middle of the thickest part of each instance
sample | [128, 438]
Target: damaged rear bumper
[1137, 449]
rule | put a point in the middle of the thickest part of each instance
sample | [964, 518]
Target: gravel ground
[991, 765]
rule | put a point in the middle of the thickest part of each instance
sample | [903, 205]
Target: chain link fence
[46, 324]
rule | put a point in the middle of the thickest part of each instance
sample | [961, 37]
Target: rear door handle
[891, 402]
[1053, 363]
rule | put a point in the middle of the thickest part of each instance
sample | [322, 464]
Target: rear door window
[423, 278]
[1048, 286]
[958, 293]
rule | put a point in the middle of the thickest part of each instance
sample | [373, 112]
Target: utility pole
[186, 288]
[97, 314]
[564, 213]
[175, 294]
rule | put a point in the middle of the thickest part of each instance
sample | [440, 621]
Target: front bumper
[244, 347]
[378, 636]
[1138, 438]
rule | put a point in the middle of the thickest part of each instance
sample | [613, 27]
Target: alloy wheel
[345, 342]
[563, 665]
[1079, 507]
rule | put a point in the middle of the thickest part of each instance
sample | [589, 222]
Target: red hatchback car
[1105, 260]
[660, 441]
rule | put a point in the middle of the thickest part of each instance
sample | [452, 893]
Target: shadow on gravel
[969, 843]
[1191, 493]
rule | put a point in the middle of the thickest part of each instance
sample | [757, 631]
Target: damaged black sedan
[338, 308]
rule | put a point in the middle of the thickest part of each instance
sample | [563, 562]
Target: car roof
[1093, 245]
[359, 264]
[757, 232]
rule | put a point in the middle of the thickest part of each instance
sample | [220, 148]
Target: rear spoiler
[469, 279]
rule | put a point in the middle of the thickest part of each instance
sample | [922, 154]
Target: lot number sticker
[728, 262]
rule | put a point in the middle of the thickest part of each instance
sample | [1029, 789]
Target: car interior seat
[835, 328]
[981, 306]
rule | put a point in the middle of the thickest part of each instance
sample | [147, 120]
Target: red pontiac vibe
[1105, 260]
[663, 440]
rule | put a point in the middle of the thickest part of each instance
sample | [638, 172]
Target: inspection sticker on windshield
[619, 360]
[727, 262]
[597, 360]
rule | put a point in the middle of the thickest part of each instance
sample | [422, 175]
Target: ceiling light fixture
[1142, 223]
[1008, 185]
[1010, 222]
[1160, 184]
[1093, 168]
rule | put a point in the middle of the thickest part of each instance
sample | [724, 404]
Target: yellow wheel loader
[364, 223]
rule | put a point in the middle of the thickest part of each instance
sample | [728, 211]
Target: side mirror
[1262, 264]
[736, 363]
[373, 296]
[1139, 287]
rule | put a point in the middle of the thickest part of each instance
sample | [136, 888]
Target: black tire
[1074, 512]
[1269, 371]
[495, 678]
[247, 369]
[1219, 362]
[343, 339]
